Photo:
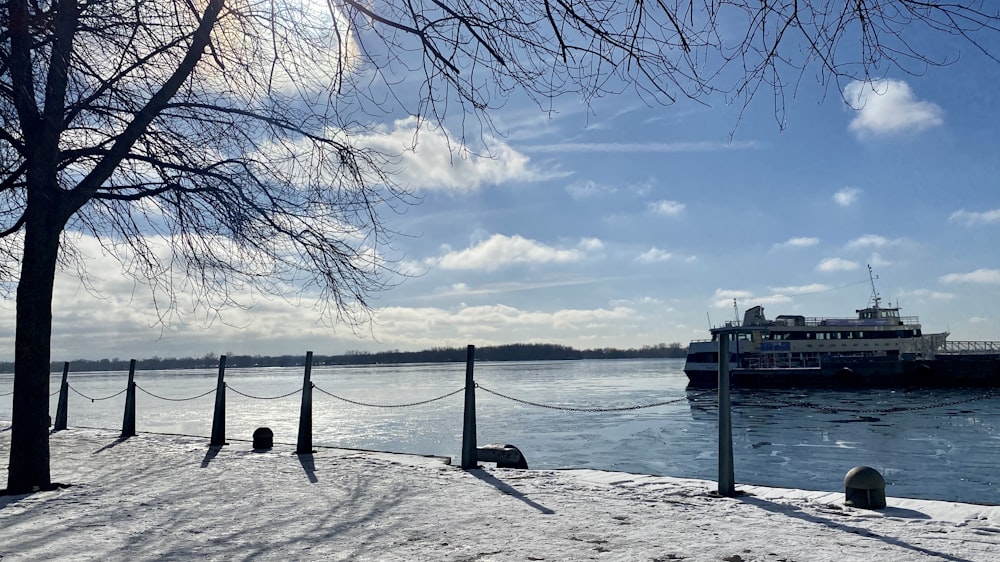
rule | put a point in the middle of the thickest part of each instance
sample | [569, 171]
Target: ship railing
[960, 347]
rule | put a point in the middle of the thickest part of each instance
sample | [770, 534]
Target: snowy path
[171, 498]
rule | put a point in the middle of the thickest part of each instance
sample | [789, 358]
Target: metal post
[727, 479]
[469, 459]
[305, 446]
[219, 420]
[128, 424]
[63, 406]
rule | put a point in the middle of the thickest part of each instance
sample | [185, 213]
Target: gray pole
[63, 406]
[219, 420]
[128, 424]
[727, 479]
[469, 459]
[304, 446]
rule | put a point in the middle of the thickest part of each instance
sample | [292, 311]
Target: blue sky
[624, 225]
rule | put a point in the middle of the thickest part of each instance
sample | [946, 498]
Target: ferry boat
[877, 348]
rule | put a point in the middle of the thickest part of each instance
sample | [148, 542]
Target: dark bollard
[219, 419]
[469, 460]
[304, 445]
[864, 488]
[63, 406]
[263, 438]
[506, 456]
[128, 422]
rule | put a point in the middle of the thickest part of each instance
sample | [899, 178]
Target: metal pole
[469, 459]
[219, 420]
[305, 446]
[727, 479]
[63, 406]
[128, 424]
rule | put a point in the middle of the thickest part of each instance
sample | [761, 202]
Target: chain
[174, 399]
[92, 399]
[574, 409]
[388, 405]
[892, 410]
[12, 392]
[296, 391]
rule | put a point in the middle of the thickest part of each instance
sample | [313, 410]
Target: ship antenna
[872, 277]
[736, 311]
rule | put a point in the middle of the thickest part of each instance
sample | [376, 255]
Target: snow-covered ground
[169, 497]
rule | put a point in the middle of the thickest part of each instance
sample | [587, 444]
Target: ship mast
[872, 277]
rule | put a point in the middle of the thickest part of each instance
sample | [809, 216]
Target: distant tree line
[508, 352]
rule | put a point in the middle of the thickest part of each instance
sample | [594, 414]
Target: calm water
[949, 452]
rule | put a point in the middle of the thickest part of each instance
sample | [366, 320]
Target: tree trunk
[29, 441]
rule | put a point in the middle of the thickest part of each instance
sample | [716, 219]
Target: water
[948, 452]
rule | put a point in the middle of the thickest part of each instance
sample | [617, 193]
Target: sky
[620, 224]
[168, 497]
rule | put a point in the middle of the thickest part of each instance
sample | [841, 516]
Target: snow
[171, 497]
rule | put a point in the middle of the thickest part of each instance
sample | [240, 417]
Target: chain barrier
[575, 409]
[12, 392]
[91, 398]
[890, 410]
[296, 391]
[407, 405]
[174, 399]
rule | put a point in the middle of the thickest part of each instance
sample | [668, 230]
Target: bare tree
[212, 145]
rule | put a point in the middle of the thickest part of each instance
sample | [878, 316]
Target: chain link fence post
[63, 406]
[128, 423]
[304, 446]
[727, 479]
[219, 420]
[469, 458]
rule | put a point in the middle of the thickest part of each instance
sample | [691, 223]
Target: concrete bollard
[864, 488]
[263, 438]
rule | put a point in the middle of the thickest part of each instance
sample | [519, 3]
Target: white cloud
[654, 255]
[846, 196]
[927, 294]
[798, 242]
[589, 188]
[430, 159]
[794, 290]
[667, 208]
[888, 107]
[500, 251]
[836, 264]
[724, 298]
[971, 218]
[633, 147]
[988, 276]
[868, 241]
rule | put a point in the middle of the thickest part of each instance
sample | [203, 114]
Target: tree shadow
[797, 513]
[508, 489]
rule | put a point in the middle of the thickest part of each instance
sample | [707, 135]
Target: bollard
[263, 438]
[128, 424]
[63, 406]
[506, 456]
[219, 419]
[469, 455]
[304, 446]
[864, 488]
